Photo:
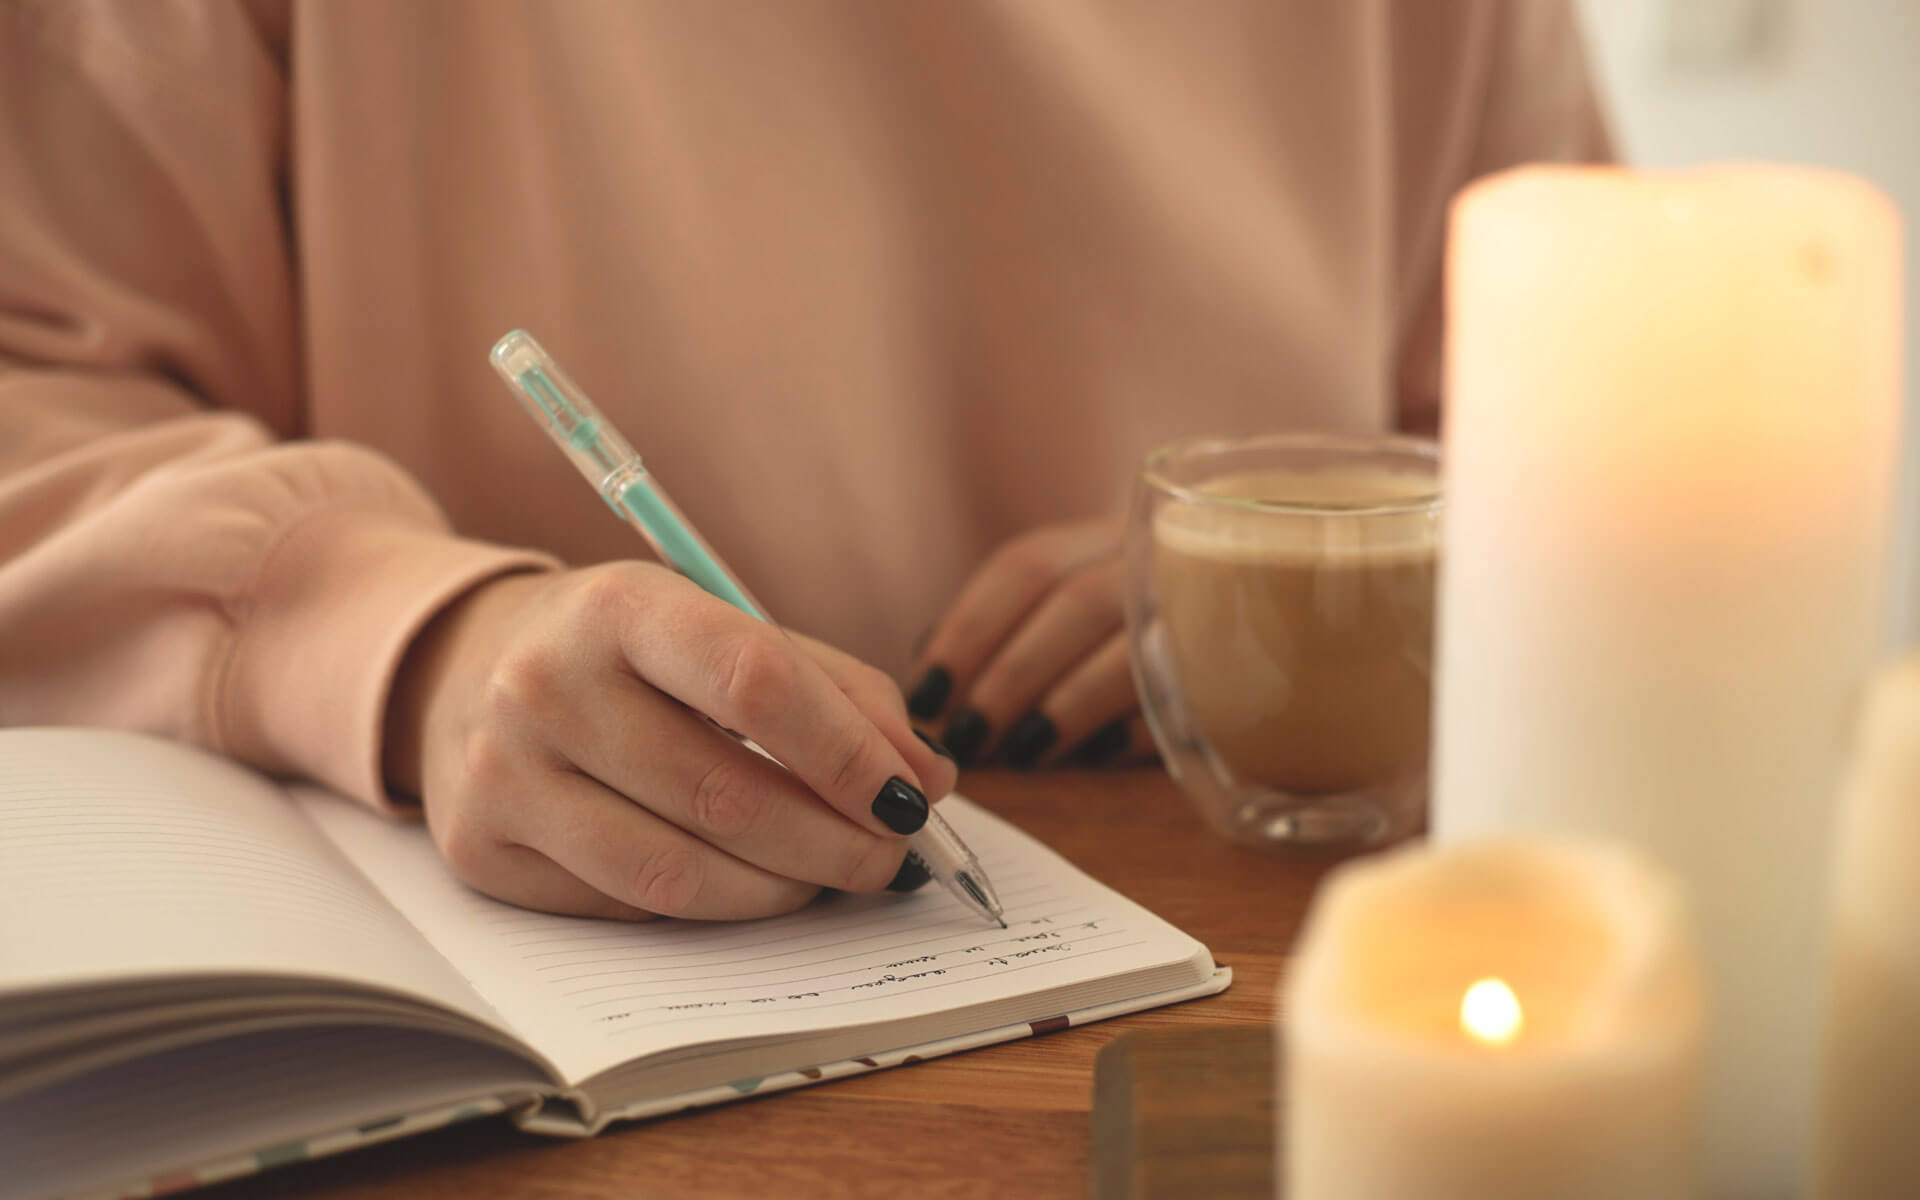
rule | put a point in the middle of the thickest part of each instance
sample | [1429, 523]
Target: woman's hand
[1031, 660]
[554, 727]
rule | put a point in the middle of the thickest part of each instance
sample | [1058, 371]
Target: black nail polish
[934, 746]
[900, 806]
[929, 696]
[1029, 740]
[912, 876]
[966, 735]
[1103, 745]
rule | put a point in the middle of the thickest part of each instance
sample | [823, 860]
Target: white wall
[1834, 82]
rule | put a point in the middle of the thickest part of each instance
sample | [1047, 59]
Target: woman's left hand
[1030, 663]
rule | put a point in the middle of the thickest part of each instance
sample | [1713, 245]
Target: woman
[892, 297]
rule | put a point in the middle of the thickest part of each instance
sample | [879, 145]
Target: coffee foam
[1334, 522]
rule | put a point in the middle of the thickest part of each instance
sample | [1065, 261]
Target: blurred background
[1834, 82]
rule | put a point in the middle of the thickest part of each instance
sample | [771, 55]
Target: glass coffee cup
[1280, 618]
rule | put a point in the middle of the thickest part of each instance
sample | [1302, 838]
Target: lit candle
[1865, 1146]
[1672, 422]
[1500, 1019]
[1490, 1012]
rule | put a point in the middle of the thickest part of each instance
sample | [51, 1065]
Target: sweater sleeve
[1522, 92]
[169, 562]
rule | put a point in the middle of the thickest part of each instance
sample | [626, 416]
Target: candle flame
[1490, 1013]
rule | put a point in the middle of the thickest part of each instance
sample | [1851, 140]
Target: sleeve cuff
[332, 612]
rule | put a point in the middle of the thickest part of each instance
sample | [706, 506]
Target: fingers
[1074, 622]
[573, 768]
[1095, 697]
[532, 880]
[752, 678]
[874, 693]
[680, 768]
[1107, 744]
[1023, 627]
[992, 605]
[1139, 746]
[638, 859]
[583, 851]
[1124, 741]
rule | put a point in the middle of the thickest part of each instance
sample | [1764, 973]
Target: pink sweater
[873, 286]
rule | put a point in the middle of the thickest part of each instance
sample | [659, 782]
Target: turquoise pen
[614, 469]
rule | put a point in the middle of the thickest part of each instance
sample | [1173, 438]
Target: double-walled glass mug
[1280, 615]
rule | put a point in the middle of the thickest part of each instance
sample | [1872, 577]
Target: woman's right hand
[553, 726]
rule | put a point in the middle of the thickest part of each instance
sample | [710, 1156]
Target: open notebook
[203, 974]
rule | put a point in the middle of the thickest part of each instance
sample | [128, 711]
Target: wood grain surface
[1184, 1113]
[1008, 1120]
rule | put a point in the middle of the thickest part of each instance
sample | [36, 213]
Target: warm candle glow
[1397, 1089]
[1634, 566]
[1490, 1013]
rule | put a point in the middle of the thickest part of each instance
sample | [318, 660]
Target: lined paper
[146, 869]
[592, 994]
[126, 858]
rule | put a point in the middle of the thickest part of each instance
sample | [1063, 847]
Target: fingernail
[911, 877]
[934, 746]
[1103, 744]
[1029, 740]
[966, 735]
[900, 806]
[929, 696]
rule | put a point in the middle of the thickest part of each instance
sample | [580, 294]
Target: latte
[1298, 608]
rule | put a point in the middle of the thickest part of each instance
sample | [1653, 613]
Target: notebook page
[592, 994]
[129, 858]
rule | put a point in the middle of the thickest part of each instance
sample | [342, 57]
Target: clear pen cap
[561, 408]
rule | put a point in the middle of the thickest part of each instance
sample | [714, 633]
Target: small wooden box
[1186, 1113]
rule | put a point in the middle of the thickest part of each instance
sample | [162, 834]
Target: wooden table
[1007, 1120]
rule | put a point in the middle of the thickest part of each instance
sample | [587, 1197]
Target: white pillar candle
[1866, 1146]
[1502, 1019]
[1672, 421]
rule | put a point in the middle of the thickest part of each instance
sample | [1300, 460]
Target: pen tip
[1002, 920]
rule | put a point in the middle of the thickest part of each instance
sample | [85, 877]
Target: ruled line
[585, 992]
[860, 999]
[885, 922]
[1011, 886]
[875, 952]
[765, 984]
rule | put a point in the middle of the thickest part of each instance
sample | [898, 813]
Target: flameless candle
[1865, 1146]
[1510, 1018]
[1672, 421]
